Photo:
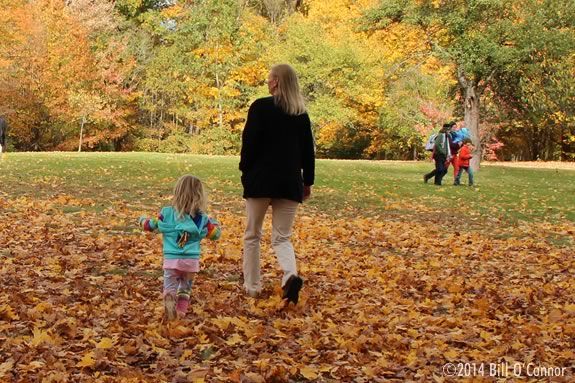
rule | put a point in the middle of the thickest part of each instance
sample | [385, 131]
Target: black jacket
[277, 156]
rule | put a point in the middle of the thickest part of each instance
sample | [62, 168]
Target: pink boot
[182, 306]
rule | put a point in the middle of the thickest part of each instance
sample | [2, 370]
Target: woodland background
[378, 75]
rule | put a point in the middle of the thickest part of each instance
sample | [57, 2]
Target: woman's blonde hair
[189, 196]
[287, 95]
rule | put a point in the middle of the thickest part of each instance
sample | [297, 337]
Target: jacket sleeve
[214, 230]
[308, 153]
[465, 154]
[150, 224]
[440, 144]
[249, 139]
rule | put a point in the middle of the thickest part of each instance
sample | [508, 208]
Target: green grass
[391, 189]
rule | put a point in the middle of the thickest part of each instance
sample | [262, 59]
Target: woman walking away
[278, 165]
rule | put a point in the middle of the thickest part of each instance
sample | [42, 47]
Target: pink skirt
[187, 265]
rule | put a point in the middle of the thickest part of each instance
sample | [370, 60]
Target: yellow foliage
[174, 11]
[338, 16]
[105, 343]
[7, 312]
[41, 336]
[308, 372]
[328, 133]
[87, 360]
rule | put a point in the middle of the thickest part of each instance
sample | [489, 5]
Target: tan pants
[283, 214]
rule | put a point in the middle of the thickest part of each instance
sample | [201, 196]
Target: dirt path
[534, 165]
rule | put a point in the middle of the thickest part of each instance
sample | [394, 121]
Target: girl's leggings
[178, 283]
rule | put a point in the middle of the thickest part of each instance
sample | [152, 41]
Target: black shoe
[291, 289]
[425, 179]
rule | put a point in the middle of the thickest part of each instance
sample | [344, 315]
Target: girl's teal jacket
[182, 236]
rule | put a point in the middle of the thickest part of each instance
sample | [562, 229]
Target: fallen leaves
[87, 360]
[81, 300]
[41, 336]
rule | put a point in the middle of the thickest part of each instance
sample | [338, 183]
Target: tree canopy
[378, 75]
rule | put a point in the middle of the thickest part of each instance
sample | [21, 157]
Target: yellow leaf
[222, 322]
[309, 373]
[198, 375]
[235, 339]
[87, 360]
[7, 312]
[435, 263]
[41, 336]
[6, 367]
[369, 371]
[451, 354]
[36, 365]
[105, 343]
[42, 307]
[517, 346]
[411, 358]
[186, 355]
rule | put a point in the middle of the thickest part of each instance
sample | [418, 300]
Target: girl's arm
[214, 230]
[150, 224]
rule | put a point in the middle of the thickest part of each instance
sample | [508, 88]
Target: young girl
[464, 157]
[183, 225]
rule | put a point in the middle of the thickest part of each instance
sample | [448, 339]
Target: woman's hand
[306, 192]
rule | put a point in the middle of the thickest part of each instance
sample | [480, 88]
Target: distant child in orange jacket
[464, 157]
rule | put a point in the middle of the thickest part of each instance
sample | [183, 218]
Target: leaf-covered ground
[387, 297]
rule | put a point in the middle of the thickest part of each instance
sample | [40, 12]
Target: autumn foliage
[377, 75]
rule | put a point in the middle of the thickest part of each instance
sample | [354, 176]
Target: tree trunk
[220, 108]
[565, 147]
[81, 133]
[160, 128]
[471, 99]
[219, 86]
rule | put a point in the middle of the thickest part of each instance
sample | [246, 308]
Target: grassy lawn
[342, 187]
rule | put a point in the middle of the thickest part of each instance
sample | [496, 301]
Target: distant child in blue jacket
[183, 225]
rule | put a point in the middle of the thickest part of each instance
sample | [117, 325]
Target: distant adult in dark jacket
[3, 128]
[441, 154]
[278, 167]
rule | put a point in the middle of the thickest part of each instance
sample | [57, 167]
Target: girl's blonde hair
[287, 95]
[189, 196]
